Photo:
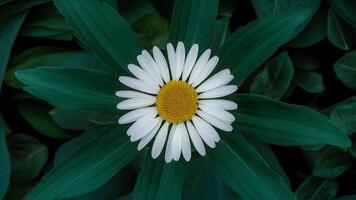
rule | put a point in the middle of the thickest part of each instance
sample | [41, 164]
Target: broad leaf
[71, 119]
[345, 9]
[221, 32]
[314, 188]
[5, 170]
[350, 197]
[81, 172]
[285, 124]
[245, 50]
[103, 30]
[345, 69]
[15, 7]
[311, 82]
[28, 156]
[36, 114]
[193, 22]
[245, 171]
[344, 117]
[332, 163]
[339, 33]
[275, 79]
[304, 61]
[72, 88]
[9, 28]
[159, 180]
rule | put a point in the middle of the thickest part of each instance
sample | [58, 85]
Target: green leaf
[332, 163]
[81, 172]
[36, 113]
[160, 180]
[344, 117]
[245, 171]
[314, 188]
[48, 56]
[339, 33]
[5, 170]
[9, 29]
[221, 31]
[314, 32]
[345, 9]
[46, 22]
[311, 82]
[71, 119]
[350, 197]
[193, 22]
[265, 8]
[28, 156]
[279, 123]
[103, 30]
[345, 69]
[353, 148]
[304, 61]
[275, 79]
[251, 45]
[72, 88]
[17, 6]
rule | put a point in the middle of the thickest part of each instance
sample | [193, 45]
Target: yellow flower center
[177, 101]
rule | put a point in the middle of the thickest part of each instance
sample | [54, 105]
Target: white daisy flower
[175, 103]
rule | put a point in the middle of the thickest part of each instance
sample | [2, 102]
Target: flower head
[176, 102]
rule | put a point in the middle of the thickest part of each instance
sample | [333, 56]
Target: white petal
[180, 59]
[133, 94]
[199, 66]
[131, 104]
[145, 129]
[162, 63]
[171, 58]
[204, 134]
[140, 123]
[219, 103]
[143, 75]
[196, 139]
[218, 113]
[136, 114]
[137, 84]
[190, 61]
[168, 154]
[145, 140]
[217, 80]
[177, 143]
[215, 121]
[149, 69]
[218, 92]
[210, 66]
[186, 150]
[155, 68]
[159, 141]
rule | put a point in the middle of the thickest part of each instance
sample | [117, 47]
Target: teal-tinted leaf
[314, 188]
[113, 3]
[314, 32]
[5, 170]
[135, 9]
[311, 82]
[265, 8]
[339, 33]
[275, 79]
[15, 7]
[251, 45]
[72, 88]
[152, 30]
[103, 30]
[28, 157]
[345, 69]
[285, 124]
[193, 22]
[46, 22]
[9, 29]
[81, 172]
[71, 119]
[353, 148]
[36, 114]
[312, 156]
[345, 9]
[344, 117]
[159, 180]
[304, 61]
[245, 171]
[350, 197]
[48, 56]
[332, 163]
[221, 31]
